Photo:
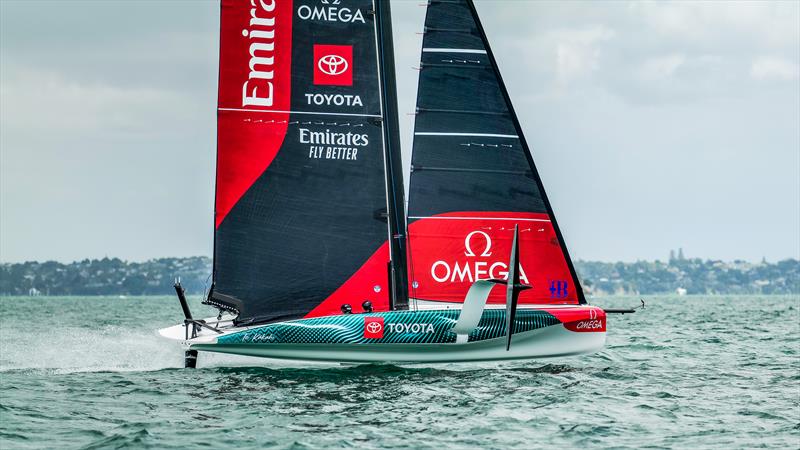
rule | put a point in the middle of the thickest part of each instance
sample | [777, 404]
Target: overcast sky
[654, 125]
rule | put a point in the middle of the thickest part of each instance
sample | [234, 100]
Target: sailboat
[315, 255]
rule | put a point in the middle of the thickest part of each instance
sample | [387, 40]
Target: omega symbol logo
[487, 251]
[592, 314]
[332, 65]
[374, 327]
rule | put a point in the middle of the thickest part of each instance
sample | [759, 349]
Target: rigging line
[412, 273]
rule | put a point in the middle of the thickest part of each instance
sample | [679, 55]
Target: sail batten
[453, 50]
[473, 177]
[444, 133]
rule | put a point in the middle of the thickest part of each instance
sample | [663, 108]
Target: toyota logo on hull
[373, 327]
[332, 65]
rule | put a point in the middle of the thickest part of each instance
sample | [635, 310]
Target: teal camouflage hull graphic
[406, 327]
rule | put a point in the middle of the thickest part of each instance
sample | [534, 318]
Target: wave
[110, 348]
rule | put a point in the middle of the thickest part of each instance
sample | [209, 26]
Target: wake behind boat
[315, 255]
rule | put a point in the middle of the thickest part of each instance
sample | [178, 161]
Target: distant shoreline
[113, 277]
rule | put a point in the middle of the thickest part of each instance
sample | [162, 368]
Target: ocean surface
[686, 372]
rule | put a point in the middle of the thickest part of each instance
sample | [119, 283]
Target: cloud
[578, 52]
[36, 99]
[735, 23]
[661, 67]
[771, 68]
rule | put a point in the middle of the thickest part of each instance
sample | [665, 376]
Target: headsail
[301, 205]
[473, 177]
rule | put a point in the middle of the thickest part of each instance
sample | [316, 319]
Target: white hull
[549, 342]
[342, 338]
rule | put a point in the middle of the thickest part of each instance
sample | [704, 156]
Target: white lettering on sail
[262, 55]
[472, 270]
[330, 14]
[332, 145]
[333, 100]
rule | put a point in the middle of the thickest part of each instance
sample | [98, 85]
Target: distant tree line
[107, 276]
[690, 276]
[112, 276]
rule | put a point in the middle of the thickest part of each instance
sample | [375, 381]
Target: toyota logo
[374, 327]
[332, 65]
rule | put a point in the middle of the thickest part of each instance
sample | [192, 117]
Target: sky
[654, 125]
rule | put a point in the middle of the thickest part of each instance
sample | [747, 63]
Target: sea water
[685, 372]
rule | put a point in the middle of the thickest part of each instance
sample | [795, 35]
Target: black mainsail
[473, 177]
[301, 196]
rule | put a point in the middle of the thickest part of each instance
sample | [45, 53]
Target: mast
[396, 214]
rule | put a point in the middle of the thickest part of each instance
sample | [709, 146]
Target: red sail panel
[451, 251]
[254, 94]
[365, 285]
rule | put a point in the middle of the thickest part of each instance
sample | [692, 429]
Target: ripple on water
[676, 375]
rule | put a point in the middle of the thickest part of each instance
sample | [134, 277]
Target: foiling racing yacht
[315, 255]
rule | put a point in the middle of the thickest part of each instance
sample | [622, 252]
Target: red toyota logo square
[333, 65]
[373, 327]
